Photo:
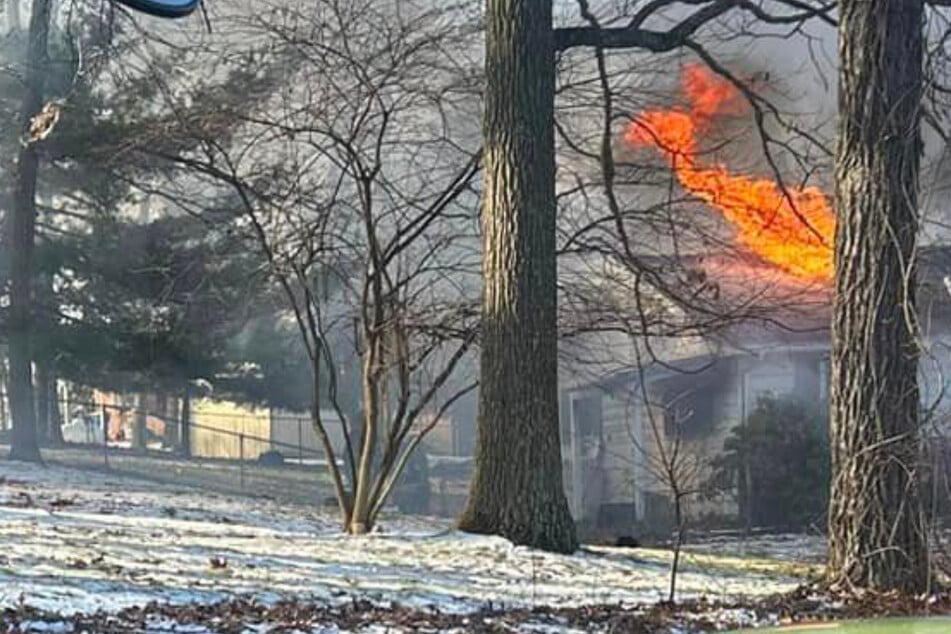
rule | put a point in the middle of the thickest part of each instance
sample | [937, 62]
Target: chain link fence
[260, 454]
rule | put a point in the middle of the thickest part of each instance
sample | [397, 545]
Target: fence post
[140, 423]
[3, 395]
[444, 497]
[300, 441]
[185, 438]
[105, 435]
[241, 457]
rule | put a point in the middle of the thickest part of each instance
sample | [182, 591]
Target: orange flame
[791, 229]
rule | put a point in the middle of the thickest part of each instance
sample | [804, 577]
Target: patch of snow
[733, 618]
[80, 541]
[790, 547]
[45, 626]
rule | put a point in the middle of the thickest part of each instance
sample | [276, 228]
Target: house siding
[634, 485]
[619, 450]
[601, 489]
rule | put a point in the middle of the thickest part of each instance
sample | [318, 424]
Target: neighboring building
[120, 410]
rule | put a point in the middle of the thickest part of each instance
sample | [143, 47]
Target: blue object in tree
[162, 8]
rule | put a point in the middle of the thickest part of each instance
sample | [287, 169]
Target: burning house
[616, 427]
[612, 426]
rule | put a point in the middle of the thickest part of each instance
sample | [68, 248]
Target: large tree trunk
[517, 489]
[24, 442]
[876, 533]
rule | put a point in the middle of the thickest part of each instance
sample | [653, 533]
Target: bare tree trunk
[876, 534]
[372, 396]
[24, 442]
[517, 489]
[681, 528]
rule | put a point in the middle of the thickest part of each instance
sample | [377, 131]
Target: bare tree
[352, 177]
[678, 468]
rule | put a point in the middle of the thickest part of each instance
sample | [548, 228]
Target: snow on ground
[76, 541]
[788, 547]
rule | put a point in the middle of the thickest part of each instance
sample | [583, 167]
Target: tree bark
[24, 444]
[517, 489]
[876, 533]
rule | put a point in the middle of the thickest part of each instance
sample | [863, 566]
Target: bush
[781, 453]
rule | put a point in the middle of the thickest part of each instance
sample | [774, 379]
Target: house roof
[654, 371]
[790, 326]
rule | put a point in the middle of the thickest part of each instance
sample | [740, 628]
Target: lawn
[82, 542]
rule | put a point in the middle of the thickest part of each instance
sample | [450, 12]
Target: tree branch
[633, 36]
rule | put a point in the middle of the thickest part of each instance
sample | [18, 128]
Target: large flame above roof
[790, 228]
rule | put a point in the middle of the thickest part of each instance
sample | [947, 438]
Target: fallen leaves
[239, 615]
[217, 562]
[22, 499]
[95, 563]
[60, 503]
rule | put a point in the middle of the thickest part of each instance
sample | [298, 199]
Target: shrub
[778, 464]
